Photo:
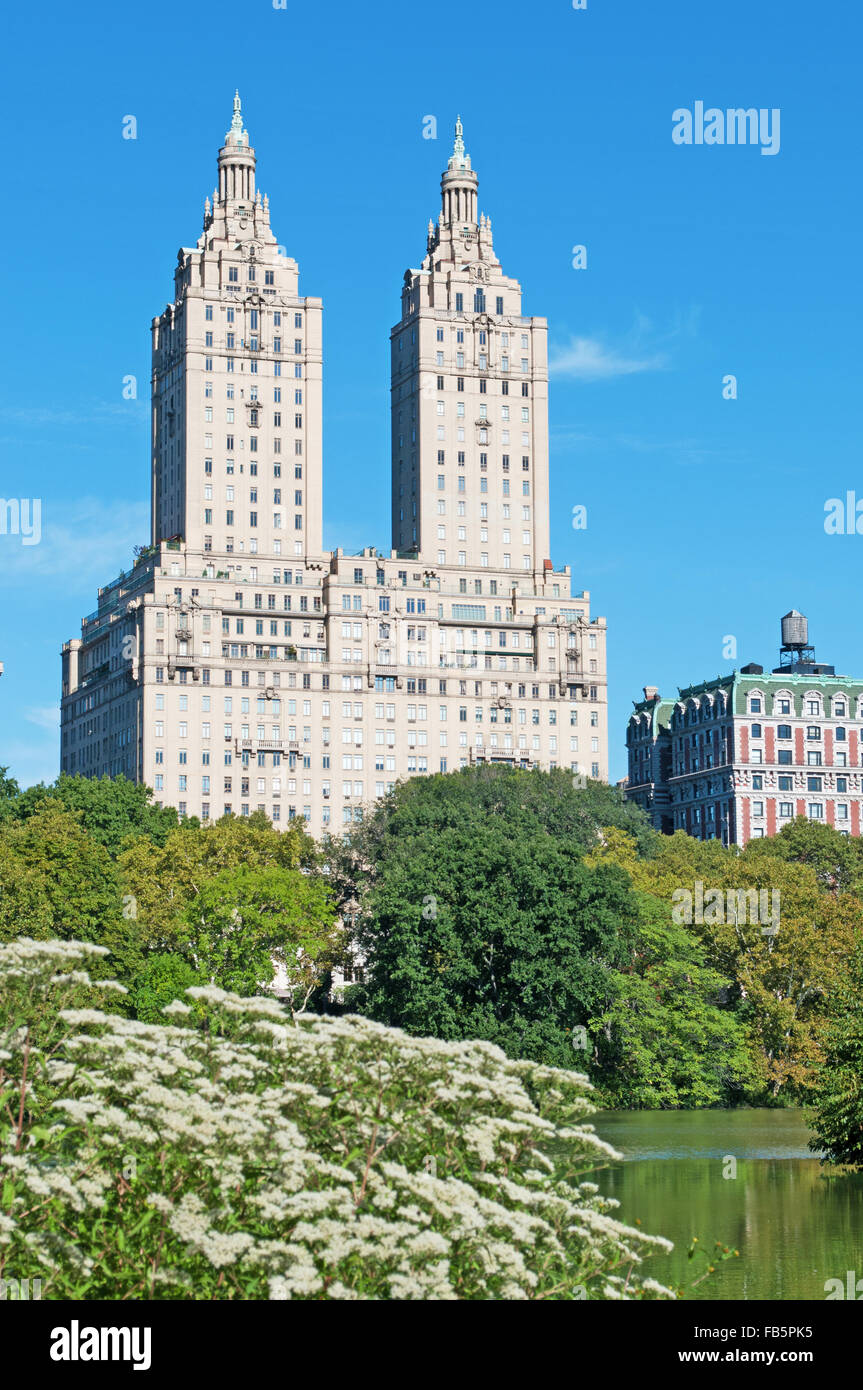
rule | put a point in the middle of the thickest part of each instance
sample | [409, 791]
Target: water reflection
[795, 1225]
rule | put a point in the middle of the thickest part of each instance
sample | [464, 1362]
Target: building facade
[240, 667]
[469, 400]
[741, 756]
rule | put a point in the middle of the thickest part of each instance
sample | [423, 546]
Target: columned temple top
[237, 162]
[458, 185]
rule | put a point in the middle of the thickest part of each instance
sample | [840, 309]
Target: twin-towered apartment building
[240, 667]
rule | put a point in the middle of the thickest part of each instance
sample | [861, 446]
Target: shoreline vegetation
[309, 1157]
[492, 904]
[490, 958]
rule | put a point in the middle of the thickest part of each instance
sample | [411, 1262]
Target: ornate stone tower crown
[458, 184]
[236, 163]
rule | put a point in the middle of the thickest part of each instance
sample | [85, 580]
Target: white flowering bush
[236, 1153]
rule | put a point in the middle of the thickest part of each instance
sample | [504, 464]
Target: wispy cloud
[45, 716]
[131, 411]
[683, 451]
[587, 359]
[89, 539]
[82, 429]
[642, 349]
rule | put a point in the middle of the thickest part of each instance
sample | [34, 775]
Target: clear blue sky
[705, 516]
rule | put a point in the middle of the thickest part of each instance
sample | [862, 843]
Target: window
[786, 809]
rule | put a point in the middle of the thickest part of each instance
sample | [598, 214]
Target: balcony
[97, 674]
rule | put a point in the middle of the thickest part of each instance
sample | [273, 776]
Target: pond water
[795, 1225]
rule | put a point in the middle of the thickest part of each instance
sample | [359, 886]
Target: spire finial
[458, 158]
[237, 135]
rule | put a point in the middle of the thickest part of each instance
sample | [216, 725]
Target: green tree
[164, 978]
[470, 933]
[526, 803]
[781, 985]
[9, 793]
[245, 921]
[112, 809]
[837, 1121]
[666, 1041]
[520, 804]
[836, 859]
[57, 881]
[163, 881]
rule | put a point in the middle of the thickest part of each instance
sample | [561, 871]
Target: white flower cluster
[260, 1156]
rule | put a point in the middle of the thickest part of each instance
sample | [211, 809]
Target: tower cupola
[458, 185]
[236, 162]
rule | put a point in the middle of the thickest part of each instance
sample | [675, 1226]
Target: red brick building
[739, 757]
